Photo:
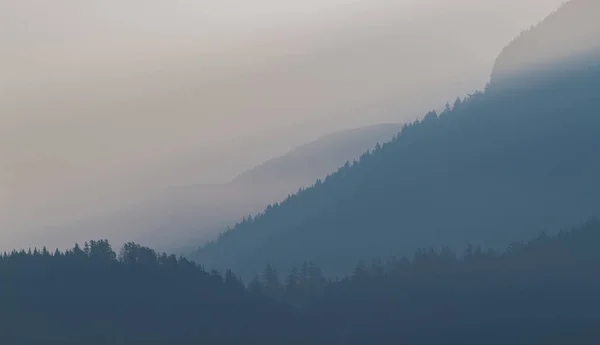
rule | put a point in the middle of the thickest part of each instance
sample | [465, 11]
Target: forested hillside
[495, 167]
[542, 291]
[90, 295]
[539, 292]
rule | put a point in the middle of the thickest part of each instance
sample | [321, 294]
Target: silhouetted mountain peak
[566, 39]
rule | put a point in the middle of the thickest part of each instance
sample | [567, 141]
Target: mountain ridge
[485, 171]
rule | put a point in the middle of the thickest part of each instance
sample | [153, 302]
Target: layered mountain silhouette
[211, 208]
[301, 166]
[196, 213]
[493, 168]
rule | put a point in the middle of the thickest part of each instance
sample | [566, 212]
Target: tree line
[543, 291]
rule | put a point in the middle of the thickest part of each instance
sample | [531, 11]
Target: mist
[105, 104]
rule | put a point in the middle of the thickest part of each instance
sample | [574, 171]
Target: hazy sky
[103, 101]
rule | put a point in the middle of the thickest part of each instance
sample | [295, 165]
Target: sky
[105, 102]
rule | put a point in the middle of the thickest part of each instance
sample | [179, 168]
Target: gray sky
[103, 102]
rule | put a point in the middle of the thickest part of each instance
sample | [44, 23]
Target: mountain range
[487, 171]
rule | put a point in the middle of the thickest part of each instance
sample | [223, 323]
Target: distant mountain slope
[566, 38]
[303, 165]
[201, 212]
[497, 165]
[182, 218]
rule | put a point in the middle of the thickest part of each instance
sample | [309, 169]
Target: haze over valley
[105, 105]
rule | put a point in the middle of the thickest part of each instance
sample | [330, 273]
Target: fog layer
[107, 103]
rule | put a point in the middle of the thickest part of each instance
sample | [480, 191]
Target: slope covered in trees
[493, 168]
[539, 292]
